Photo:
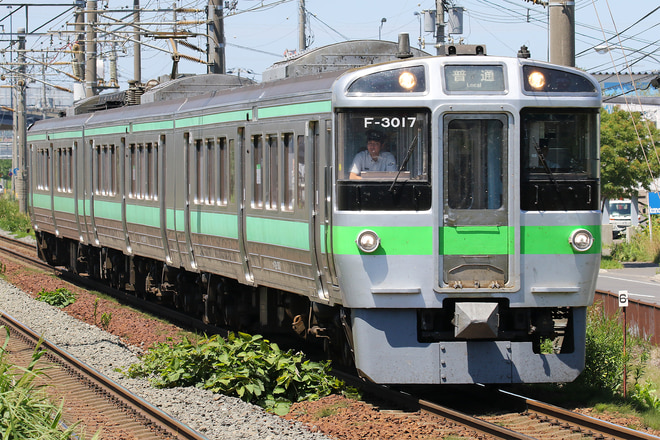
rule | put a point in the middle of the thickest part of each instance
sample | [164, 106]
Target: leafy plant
[59, 297]
[605, 359]
[245, 366]
[105, 320]
[25, 411]
[11, 219]
[96, 308]
[640, 247]
[643, 396]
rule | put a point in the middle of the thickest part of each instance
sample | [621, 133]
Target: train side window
[133, 170]
[223, 171]
[59, 170]
[288, 171]
[43, 165]
[105, 173]
[257, 169]
[273, 169]
[211, 167]
[47, 165]
[96, 169]
[199, 172]
[142, 175]
[300, 196]
[150, 189]
[113, 170]
[71, 165]
[232, 170]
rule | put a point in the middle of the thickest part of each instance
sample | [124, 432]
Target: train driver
[373, 158]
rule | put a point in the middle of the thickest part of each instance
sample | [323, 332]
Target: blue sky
[258, 32]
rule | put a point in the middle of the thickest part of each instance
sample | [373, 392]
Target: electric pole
[561, 24]
[302, 22]
[137, 49]
[90, 50]
[216, 38]
[20, 129]
[440, 27]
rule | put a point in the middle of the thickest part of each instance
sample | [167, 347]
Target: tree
[627, 161]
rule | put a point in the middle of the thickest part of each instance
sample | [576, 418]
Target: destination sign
[470, 78]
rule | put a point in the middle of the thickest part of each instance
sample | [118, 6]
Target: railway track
[86, 389]
[538, 421]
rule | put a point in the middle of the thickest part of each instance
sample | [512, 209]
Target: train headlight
[581, 240]
[368, 241]
[407, 80]
[536, 79]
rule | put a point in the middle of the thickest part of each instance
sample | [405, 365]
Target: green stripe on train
[394, 240]
[41, 201]
[36, 137]
[66, 135]
[240, 115]
[295, 109]
[150, 126]
[117, 129]
[278, 232]
[213, 223]
[547, 240]
[467, 240]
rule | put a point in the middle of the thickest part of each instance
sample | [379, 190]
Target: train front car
[466, 223]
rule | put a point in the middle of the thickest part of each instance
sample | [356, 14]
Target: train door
[241, 163]
[188, 178]
[476, 242]
[50, 183]
[327, 173]
[121, 178]
[318, 213]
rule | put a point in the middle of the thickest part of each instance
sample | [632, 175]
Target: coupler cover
[474, 320]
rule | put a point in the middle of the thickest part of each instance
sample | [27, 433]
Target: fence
[643, 318]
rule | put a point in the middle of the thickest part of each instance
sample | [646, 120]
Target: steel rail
[409, 401]
[150, 413]
[595, 425]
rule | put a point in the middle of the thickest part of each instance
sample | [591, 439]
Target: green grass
[12, 220]
[607, 262]
[26, 410]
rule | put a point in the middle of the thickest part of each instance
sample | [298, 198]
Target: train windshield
[559, 159]
[379, 145]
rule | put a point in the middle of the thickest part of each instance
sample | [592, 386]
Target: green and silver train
[469, 255]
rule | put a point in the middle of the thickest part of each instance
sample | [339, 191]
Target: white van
[620, 216]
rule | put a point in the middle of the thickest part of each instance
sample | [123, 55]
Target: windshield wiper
[413, 144]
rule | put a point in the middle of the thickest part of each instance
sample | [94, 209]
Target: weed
[245, 366]
[25, 408]
[105, 320]
[59, 297]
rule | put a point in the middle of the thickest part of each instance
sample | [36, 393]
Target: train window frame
[528, 89]
[374, 118]
[222, 164]
[210, 197]
[257, 169]
[492, 185]
[301, 147]
[288, 171]
[386, 81]
[569, 179]
[505, 78]
[272, 172]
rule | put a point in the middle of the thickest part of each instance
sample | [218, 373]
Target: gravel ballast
[213, 415]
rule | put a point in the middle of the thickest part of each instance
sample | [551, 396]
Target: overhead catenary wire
[629, 109]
